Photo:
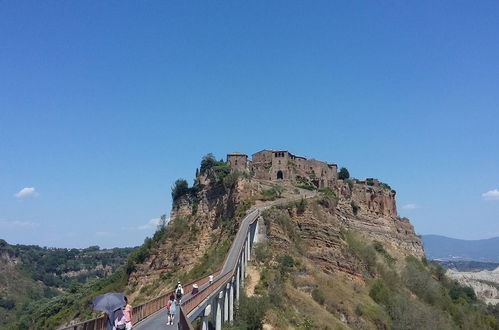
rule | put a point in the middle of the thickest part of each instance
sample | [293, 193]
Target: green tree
[179, 189]
[207, 162]
[343, 174]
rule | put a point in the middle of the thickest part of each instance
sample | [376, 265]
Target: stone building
[238, 161]
[276, 165]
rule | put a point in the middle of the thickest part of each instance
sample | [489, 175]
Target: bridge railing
[139, 312]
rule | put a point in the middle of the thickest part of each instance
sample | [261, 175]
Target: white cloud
[26, 192]
[491, 195]
[410, 206]
[152, 224]
[18, 224]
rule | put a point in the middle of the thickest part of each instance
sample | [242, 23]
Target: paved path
[157, 321]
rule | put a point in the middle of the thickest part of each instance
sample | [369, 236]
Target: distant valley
[444, 248]
[473, 263]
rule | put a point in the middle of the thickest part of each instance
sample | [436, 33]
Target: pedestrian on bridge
[179, 292]
[127, 311]
[195, 289]
[171, 308]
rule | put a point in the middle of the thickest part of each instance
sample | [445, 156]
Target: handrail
[139, 312]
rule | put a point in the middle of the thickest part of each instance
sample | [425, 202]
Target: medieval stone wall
[276, 165]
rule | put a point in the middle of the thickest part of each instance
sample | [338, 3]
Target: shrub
[304, 183]
[380, 292]
[301, 206]
[381, 250]
[343, 174]
[221, 170]
[328, 192]
[318, 296]
[355, 207]
[230, 179]
[271, 193]
[251, 311]
[262, 253]
[362, 251]
[285, 264]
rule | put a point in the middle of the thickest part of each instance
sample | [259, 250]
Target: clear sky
[103, 104]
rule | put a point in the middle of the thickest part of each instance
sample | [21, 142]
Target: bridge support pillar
[231, 300]
[248, 243]
[238, 282]
[204, 323]
[218, 318]
[255, 237]
[243, 262]
[226, 303]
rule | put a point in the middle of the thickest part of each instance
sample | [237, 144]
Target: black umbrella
[109, 302]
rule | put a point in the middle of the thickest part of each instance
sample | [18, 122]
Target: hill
[29, 274]
[445, 248]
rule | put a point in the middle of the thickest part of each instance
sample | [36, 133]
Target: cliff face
[372, 211]
[201, 228]
[204, 221]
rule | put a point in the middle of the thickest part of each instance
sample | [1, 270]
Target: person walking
[128, 314]
[119, 320]
[195, 289]
[171, 307]
[179, 292]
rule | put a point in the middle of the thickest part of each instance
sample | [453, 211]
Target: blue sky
[103, 104]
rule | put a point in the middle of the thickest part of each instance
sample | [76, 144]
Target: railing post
[204, 323]
[231, 300]
[218, 321]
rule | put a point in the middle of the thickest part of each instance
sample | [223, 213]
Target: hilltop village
[276, 165]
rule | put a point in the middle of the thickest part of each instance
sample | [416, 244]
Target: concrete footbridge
[218, 293]
[216, 299]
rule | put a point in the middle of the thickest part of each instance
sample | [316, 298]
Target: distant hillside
[29, 274]
[468, 265]
[441, 247]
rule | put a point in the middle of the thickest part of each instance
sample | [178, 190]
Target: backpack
[179, 292]
[120, 322]
[173, 308]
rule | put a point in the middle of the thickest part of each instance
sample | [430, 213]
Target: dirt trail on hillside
[252, 280]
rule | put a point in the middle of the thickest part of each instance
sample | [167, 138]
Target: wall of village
[275, 165]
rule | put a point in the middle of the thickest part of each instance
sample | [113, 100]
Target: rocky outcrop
[204, 220]
[485, 283]
[367, 207]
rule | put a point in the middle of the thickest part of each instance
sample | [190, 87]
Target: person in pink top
[128, 314]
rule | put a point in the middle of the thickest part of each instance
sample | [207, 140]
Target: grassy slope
[387, 293]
